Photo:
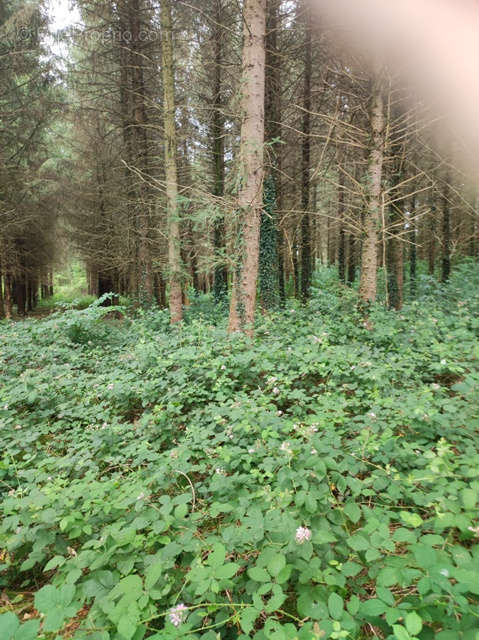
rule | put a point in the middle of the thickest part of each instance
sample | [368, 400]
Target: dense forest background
[176, 178]
[202, 147]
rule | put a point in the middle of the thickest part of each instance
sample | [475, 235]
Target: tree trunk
[394, 245]
[372, 218]
[306, 263]
[218, 137]
[8, 296]
[20, 295]
[268, 256]
[446, 231]
[174, 239]
[413, 251]
[2, 304]
[250, 200]
[431, 229]
[351, 276]
[145, 268]
[342, 231]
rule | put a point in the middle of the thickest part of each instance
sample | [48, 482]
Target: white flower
[313, 452]
[443, 362]
[177, 615]
[141, 496]
[223, 368]
[303, 534]
[220, 471]
[372, 414]
[276, 391]
[18, 426]
[251, 450]
[111, 387]
[285, 447]
[6, 407]
[280, 413]
[475, 531]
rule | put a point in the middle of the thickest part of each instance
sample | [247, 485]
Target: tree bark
[268, 259]
[351, 274]
[145, 268]
[306, 262]
[8, 296]
[446, 231]
[372, 217]
[218, 137]
[174, 239]
[250, 200]
[342, 231]
[413, 251]
[2, 305]
[394, 244]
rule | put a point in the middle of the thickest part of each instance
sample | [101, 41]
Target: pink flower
[178, 614]
[303, 534]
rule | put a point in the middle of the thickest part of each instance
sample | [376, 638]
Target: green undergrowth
[321, 482]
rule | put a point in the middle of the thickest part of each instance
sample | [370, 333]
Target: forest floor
[320, 482]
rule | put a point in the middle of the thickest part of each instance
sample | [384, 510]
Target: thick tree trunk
[394, 245]
[174, 238]
[145, 268]
[21, 295]
[218, 137]
[342, 231]
[2, 304]
[446, 231]
[306, 262]
[250, 200]
[8, 293]
[413, 251]
[372, 218]
[431, 229]
[130, 271]
[351, 274]
[268, 257]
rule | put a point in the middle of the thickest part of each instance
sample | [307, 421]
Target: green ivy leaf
[153, 574]
[358, 543]
[217, 556]
[412, 519]
[248, 618]
[400, 632]
[9, 623]
[226, 571]
[336, 606]
[276, 565]
[56, 605]
[373, 608]
[413, 623]
[353, 512]
[258, 574]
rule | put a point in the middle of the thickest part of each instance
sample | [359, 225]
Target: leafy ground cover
[322, 482]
